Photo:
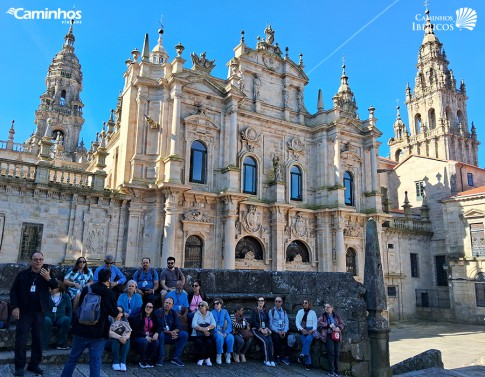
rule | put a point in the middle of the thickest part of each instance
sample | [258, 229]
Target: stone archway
[249, 247]
[297, 250]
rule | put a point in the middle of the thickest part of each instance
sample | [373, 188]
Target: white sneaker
[208, 362]
[267, 363]
[272, 363]
[200, 362]
[123, 367]
[228, 358]
[116, 367]
[219, 358]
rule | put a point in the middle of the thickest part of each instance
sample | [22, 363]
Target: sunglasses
[217, 303]
[149, 307]
[81, 261]
[37, 259]
[278, 300]
[201, 305]
[305, 303]
[261, 300]
[195, 285]
[108, 262]
[169, 263]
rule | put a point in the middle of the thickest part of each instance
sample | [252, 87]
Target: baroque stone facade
[237, 173]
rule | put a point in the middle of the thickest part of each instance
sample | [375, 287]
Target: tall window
[432, 119]
[198, 162]
[62, 100]
[30, 240]
[419, 190]
[470, 179]
[351, 262]
[417, 123]
[249, 176]
[480, 294]
[478, 241]
[193, 252]
[296, 183]
[349, 188]
[441, 273]
[414, 265]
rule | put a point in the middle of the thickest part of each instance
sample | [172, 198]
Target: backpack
[90, 310]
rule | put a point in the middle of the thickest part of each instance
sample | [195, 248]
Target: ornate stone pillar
[373, 166]
[230, 217]
[232, 135]
[336, 162]
[278, 223]
[340, 244]
[170, 225]
[173, 162]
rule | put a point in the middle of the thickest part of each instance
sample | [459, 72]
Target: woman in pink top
[194, 298]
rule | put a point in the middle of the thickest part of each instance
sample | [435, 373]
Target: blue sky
[378, 39]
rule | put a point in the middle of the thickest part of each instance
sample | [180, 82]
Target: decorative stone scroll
[250, 137]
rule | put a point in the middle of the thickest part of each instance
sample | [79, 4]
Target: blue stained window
[249, 176]
[296, 182]
[349, 188]
[198, 162]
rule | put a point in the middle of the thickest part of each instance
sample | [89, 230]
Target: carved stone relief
[95, 240]
[300, 225]
[252, 220]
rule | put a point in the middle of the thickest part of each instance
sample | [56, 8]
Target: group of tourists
[150, 311]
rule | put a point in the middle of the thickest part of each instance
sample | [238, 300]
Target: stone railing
[71, 178]
[16, 147]
[409, 224]
[14, 169]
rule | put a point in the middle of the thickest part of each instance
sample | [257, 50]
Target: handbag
[201, 333]
[336, 337]
[246, 334]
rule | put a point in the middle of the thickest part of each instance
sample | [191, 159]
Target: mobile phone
[46, 267]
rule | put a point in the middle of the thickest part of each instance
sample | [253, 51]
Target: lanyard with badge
[32, 288]
[280, 321]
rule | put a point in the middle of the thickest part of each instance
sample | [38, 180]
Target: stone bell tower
[61, 102]
[438, 121]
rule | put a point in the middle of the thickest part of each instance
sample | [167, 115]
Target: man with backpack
[91, 324]
[169, 278]
[147, 279]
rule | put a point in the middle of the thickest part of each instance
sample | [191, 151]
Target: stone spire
[399, 126]
[159, 54]
[145, 55]
[61, 101]
[345, 97]
[320, 101]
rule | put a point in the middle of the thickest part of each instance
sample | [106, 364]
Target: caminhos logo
[45, 14]
[466, 18]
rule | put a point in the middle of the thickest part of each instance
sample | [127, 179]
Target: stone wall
[243, 287]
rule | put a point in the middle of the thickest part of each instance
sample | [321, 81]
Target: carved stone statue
[278, 176]
[269, 34]
[202, 61]
[256, 87]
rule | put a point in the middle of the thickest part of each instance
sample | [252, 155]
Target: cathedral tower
[437, 113]
[60, 103]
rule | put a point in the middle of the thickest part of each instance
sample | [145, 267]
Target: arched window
[62, 100]
[448, 115]
[417, 123]
[459, 117]
[398, 154]
[249, 176]
[57, 133]
[350, 260]
[193, 252]
[297, 248]
[349, 188]
[296, 183]
[432, 119]
[198, 162]
[249, 245]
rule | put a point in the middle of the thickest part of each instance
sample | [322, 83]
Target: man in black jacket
[93, 337]
[29, 298]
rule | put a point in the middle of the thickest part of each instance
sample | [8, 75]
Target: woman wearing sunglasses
[77, 278]
[144, 336]
[203, 326]
[194, 298]
[260, 327]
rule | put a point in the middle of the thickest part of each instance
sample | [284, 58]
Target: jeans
[145, 349]
[120, 351]
[332, 354]
[203, 346]
[34, 322]
[220, 340]
[241, 345]
[179, 343]
[62, 329]
[79, 344]
[267, 344]
[306, 341]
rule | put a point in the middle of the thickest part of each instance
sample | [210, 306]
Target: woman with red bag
[332, 326]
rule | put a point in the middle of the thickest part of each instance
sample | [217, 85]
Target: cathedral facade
[237, 173]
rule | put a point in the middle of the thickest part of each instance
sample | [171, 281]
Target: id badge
[280, 323]
[54, 309]
[144, 284]
[180, 308]
[32, 288]
[263, 325]
[167, 328]
[219, 327]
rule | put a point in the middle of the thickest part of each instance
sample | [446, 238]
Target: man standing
[169, 277]
[29, 298]
[117, 279]
[93, 337]
[147, 280]
[279, 325]
[171, 332]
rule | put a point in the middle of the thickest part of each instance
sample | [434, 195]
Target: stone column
[233, 135]
[336, 162]
[174, 146]
[278, 253]
[340, 247]
[135, 214]
[373, 166]
[169, 227]
[324, 159]
[230, 217]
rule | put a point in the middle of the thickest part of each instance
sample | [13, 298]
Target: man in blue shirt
[147, 280]
[180, 299]
[279, 325]
[117, 279]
